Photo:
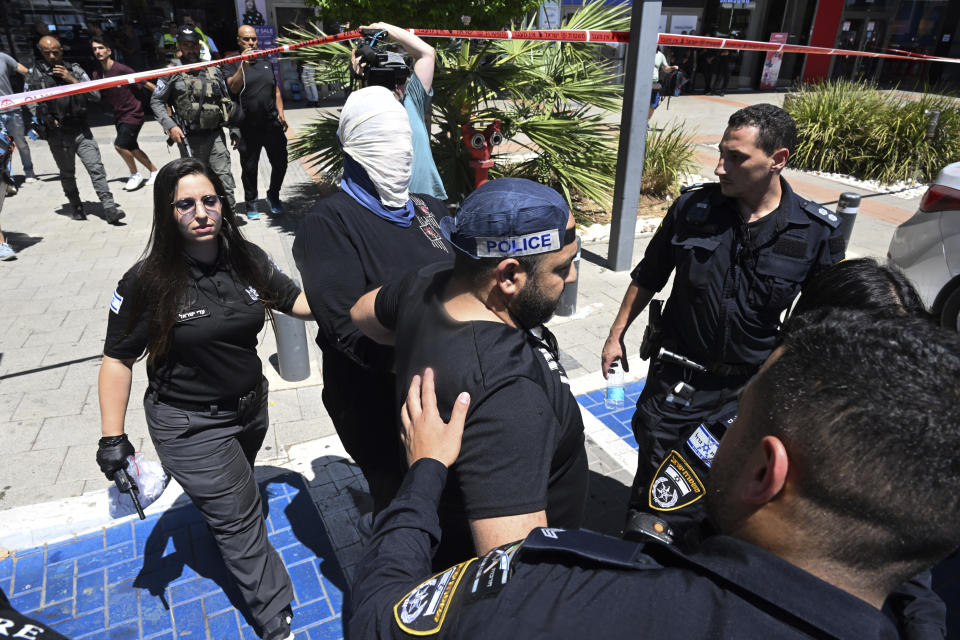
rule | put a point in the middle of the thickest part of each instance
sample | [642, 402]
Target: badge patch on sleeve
[675, 486]
[703, 444]
[423, 610]
[116, 302]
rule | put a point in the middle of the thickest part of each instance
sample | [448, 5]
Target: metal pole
[641, 50]
[847, 208]
[293, 359]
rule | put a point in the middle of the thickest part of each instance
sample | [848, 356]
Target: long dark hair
[163, 275]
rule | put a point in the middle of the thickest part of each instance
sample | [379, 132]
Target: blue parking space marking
[160, 579]
[617, 420]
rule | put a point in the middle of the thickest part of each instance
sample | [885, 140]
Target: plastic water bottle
[614, 398]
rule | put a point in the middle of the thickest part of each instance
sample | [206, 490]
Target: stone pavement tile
[311, 402]
[11, 282]
[587, 357]
[80, 462]
[8, 403]
[29, 306]
[33, 468]
[63, 334]
[40, 322]
[18, 360]
[66, 431]
[62, 352]
[268, 450]
[65, 289]
[18, 495]
[284, 406]
[341, 526]
[290, 433]
[88, 314]
[65, 401]
[84, 372]
[21, 435]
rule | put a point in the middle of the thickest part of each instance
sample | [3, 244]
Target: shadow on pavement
[181, 561]
[20, 241]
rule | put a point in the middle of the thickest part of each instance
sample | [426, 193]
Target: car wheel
[950, 315]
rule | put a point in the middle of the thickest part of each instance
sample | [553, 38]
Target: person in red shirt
[127, 113]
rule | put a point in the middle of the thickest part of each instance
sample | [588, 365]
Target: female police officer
[195, 304]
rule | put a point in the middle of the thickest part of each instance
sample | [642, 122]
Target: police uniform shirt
[523, 447]
[576, 584]
[258, 93]
[343, 250]
[212, 352]
[734, 280]
[168, 88]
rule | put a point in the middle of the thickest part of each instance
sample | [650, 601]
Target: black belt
[727, 370]
[213, 407]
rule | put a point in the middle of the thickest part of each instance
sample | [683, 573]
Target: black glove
[112, 454]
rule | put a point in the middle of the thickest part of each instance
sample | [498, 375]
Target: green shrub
[852, 128]
[669, 153]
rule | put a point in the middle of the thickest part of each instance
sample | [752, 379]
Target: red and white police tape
[551, 35]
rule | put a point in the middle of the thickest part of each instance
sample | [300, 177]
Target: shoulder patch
[116, 302]
[822, 214]
[160, 84]
[675, 486]
[423, 611]
[703, 444]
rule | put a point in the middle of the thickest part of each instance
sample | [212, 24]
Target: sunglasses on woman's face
[187, 207]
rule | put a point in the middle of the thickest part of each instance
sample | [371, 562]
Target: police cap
[186, 33]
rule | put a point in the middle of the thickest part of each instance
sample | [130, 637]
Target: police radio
[377, 67]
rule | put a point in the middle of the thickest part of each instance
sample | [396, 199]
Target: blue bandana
[356, 184]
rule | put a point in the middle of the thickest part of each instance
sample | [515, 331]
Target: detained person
[374, 229]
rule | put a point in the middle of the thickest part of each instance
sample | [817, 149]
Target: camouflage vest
[201, 106]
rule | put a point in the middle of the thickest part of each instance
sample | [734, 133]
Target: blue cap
[509, 217]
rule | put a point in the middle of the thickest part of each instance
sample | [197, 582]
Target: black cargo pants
[661, 426]
[211, 454]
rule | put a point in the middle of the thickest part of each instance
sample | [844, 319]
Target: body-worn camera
[378, 67]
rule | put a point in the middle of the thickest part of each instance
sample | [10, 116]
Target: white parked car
[927, 247]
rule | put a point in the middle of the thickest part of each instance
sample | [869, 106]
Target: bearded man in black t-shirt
[479, 325]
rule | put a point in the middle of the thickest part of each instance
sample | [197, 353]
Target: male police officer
[742, 249]
[263, 125]
[480, 325]
[64, 124]
[201, 106]
[827, 497]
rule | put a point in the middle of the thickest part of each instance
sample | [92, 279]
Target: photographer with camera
[63, 123]
[375, 67]
[261, 122]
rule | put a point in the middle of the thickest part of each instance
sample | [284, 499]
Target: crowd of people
[795, 478]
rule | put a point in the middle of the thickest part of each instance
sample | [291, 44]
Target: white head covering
[375, 131]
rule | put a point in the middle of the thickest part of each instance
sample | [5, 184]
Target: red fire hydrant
[481, 144]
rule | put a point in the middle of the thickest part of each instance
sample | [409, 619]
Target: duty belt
[718, 369]
[212, 407]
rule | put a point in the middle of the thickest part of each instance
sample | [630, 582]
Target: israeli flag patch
[703, 445]
[116, 302]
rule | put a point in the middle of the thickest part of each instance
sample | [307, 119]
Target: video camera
[378, 67]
